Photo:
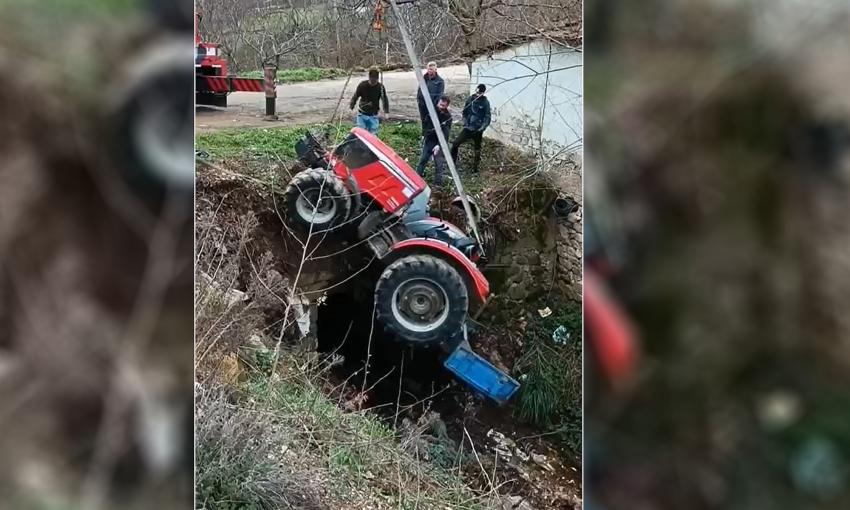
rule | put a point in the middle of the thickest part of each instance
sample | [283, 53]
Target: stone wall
[546, 257]
[569, 248]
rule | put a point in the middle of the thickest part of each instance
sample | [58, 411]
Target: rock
[274, 278]
[301, 312]
[511, 502]
[779, 409]
[515, 503]
[533, 259]
[542, 461]
[521, 455]
[518, 291]
[255, 342]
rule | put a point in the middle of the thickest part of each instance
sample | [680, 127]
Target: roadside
[315, 101]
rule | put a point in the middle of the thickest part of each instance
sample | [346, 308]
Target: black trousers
[465, 135]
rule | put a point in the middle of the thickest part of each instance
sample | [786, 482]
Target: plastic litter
[561, 336]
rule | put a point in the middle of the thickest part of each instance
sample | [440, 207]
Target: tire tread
[432, 266]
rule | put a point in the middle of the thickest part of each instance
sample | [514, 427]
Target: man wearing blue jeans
[371, 93]
[430, 143]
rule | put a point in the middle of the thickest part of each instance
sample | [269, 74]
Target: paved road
[307, 103]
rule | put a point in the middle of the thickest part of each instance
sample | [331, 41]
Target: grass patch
[286, 445]
[550, 395]
[260, 143]
[279, 143]
[300, 74]
[260, 148]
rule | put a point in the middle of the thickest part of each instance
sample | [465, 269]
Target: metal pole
[432, 112]
[269, 77]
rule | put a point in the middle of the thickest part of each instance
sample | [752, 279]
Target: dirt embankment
[528, 463]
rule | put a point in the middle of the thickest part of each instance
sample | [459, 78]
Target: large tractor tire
[316, 197]
[422, 299]
[152, 123]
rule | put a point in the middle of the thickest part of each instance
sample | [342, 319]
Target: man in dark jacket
[370, 92]
[430, 143]
[436, 86]
[476, 118]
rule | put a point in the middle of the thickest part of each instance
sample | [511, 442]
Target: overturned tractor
[363, 192]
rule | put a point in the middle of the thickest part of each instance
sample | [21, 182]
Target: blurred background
[96, 121]
[717, 205]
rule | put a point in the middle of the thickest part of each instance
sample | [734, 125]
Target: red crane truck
[212, 81]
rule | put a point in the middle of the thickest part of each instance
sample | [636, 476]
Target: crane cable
[432, 113]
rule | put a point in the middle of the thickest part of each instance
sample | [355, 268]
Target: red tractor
[362, 189]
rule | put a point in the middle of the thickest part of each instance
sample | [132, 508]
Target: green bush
[301, 74]
[550, 372]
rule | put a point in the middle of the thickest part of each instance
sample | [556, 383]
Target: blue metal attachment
[480, 374]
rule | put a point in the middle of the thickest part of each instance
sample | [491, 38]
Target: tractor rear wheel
[316, 197]
[422, 299]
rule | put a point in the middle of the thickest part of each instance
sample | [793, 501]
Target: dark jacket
[369, 96]
[445, 118]
[476, 113]
[436, 87]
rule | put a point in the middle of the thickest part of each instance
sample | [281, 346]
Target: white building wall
[537, 82]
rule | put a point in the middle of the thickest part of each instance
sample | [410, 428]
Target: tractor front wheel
[421, 299]
[316, 197]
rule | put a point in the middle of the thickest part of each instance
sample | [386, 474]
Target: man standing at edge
[430, 143]
[476, 118]
[370, 92]
[436, 87]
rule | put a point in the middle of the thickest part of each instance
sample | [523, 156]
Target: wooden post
[269, 78]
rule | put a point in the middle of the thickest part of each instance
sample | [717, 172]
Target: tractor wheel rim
[420, 305]
[163, 136]
[314, 208]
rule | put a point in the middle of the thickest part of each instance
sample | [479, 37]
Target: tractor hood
[389, 157]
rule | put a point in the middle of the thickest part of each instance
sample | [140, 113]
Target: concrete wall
[536, 82]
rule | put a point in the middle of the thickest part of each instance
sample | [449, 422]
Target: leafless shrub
[338, 33]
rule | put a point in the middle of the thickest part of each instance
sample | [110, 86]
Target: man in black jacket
[476, 118]
[436, 86]
[370, 92]
[430, 143]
